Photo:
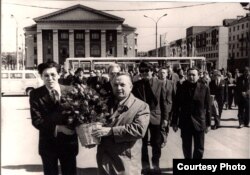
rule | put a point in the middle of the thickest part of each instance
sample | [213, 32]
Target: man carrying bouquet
[56, 140]
[120, 149]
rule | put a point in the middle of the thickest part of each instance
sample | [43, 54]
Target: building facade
[210, 42]
[78, 31]
[238, 42]
[178, 48]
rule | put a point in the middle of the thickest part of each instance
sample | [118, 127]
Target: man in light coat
[120, 148]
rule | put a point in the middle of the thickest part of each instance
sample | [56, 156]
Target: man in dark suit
[152, 91]
[162, 75]
[218, 88]
[56, 140]
[192, 114]
[120, 149]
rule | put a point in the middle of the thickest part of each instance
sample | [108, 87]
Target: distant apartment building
[210, 42]
[78, 31]
[238, 41]
[178, 48]
[163, 51]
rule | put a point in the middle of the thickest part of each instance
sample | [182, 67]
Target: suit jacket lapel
[46, 97]
[154, 86]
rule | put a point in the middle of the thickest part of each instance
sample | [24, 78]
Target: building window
[234, 28]
[79, 36]
[229, 38]
[95, 50]
[233, 38]
[238, 37]
[242, 26]
[136, 42]
[35, 51]
[35, 39]
[110, 37]
[95, 36]
[125, 39]
[47, 35]
[238, 54]
[238, 27]
[230, 29]
[125, 51]
[49, 50]
[247, 25]
[229, 46]
[64, 36]
[237, 45]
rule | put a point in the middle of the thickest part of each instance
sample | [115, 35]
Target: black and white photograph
[105, 87]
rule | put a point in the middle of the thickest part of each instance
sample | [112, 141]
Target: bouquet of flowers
[84, 109]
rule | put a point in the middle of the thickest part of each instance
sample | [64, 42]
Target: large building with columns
[78, 31]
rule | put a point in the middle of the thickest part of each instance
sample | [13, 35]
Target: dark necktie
[54, 96]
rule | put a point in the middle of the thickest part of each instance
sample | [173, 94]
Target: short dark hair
[78, 70]
[49, 64]
[147, 65]
[194, 68]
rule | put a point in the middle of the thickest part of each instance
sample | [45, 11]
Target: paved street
[19, 142]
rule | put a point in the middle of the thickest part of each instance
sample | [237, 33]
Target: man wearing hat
[218, 88]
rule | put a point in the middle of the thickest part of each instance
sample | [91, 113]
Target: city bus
[131, 63]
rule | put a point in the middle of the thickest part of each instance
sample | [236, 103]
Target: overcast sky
[174, 24]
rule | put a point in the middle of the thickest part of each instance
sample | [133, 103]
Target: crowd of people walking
[155, 100]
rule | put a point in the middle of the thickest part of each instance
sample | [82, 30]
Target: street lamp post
[17, 60]
[156, 24]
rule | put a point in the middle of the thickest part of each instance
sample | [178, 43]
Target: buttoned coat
[120, 153]
[192, 112]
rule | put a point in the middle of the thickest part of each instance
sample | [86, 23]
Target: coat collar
[128, 103]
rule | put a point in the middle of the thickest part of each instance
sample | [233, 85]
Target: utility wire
[108, 10]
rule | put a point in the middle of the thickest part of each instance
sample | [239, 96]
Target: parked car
[19, 82]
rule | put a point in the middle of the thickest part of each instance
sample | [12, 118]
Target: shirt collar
[57, 88]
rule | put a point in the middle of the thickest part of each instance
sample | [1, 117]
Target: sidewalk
[19, 142]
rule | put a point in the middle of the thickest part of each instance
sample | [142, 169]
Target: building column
[39, 47]
[103, 43]
[55, 46]
[87, 43]
[71, 44]
[119, 44]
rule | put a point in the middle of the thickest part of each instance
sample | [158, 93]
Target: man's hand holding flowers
[102, 131]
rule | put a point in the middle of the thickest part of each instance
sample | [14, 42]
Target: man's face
[50, 77]
[193, 76]
[112, 73]
[163, 74]
[170, 70]
[122, 87]
[98, 73]
[146, 73]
